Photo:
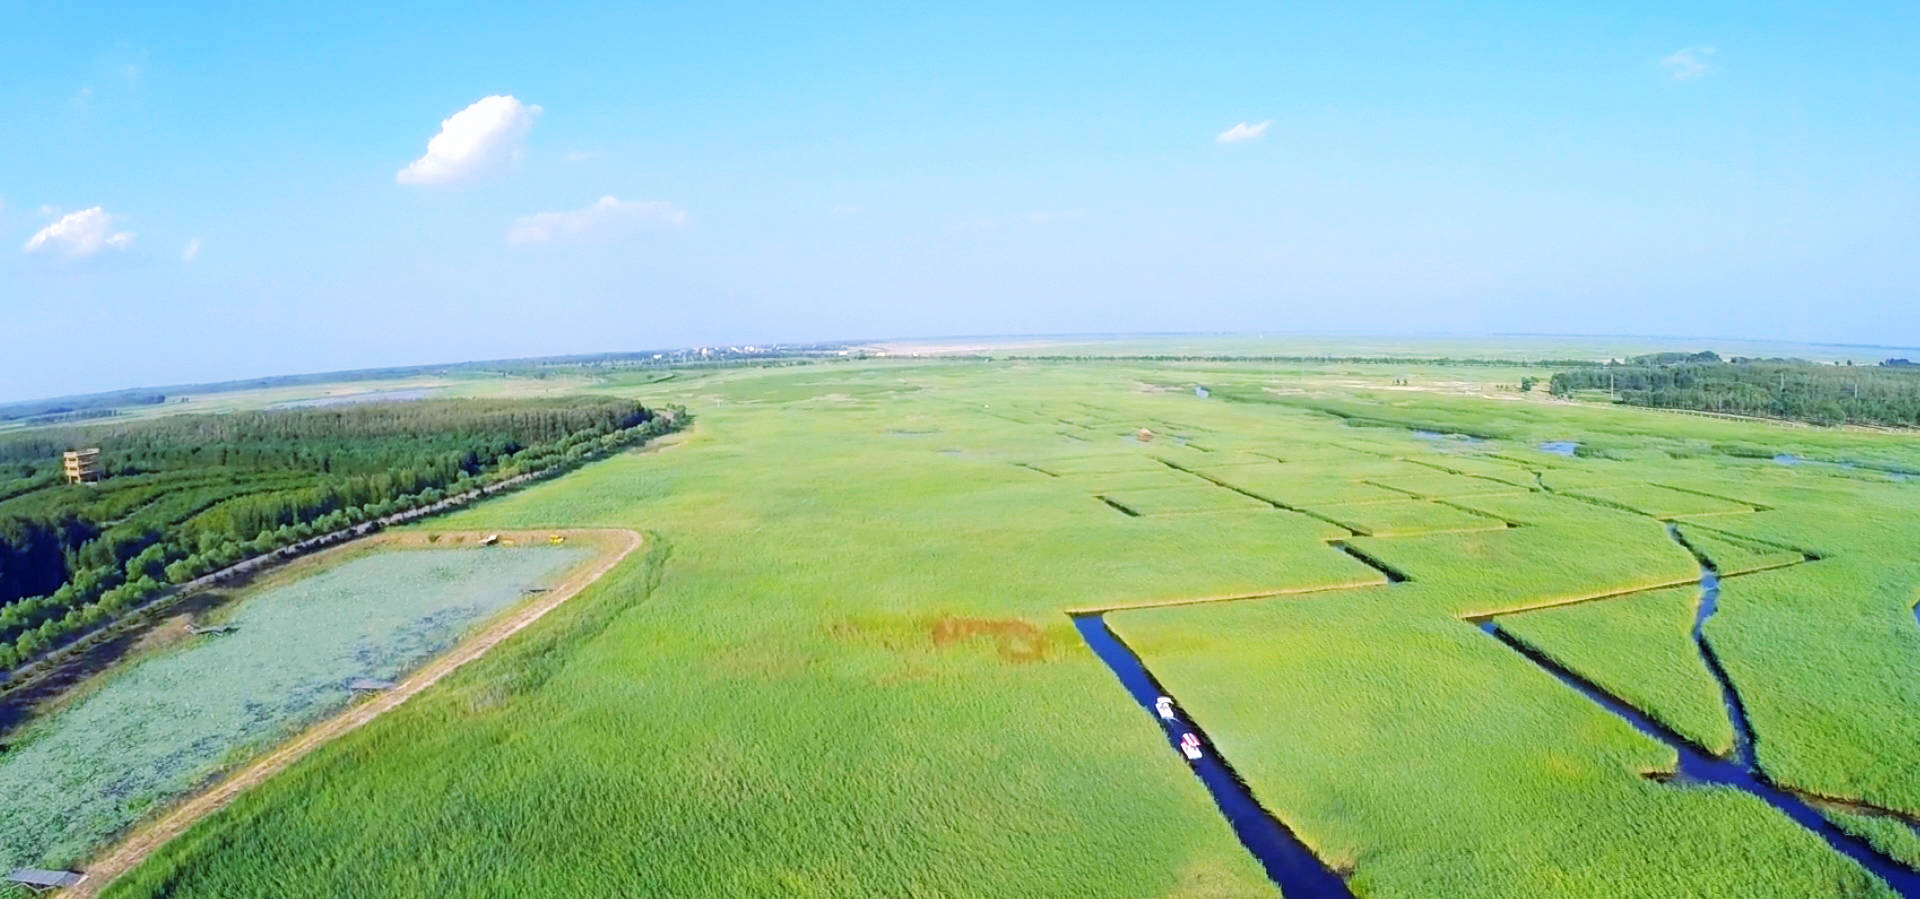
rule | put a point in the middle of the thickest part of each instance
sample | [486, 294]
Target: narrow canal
[1696, 765]
[1729, 697]
[1288, 862]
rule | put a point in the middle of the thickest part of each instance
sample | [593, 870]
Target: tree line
[1887, 394]
[190, 494]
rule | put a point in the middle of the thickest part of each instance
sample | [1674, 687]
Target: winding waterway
[1696, 765]
[1288, 862]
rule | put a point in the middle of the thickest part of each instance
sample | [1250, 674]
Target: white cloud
[607, 213]
[1242, 132]
[191, 251]
[472, 142]
[80, 234]
[1689, 63]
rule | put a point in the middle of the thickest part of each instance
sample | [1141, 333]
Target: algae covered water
[157, 728]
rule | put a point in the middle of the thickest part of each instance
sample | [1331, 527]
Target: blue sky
[733, 173]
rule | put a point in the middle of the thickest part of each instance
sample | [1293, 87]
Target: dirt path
[148, 838]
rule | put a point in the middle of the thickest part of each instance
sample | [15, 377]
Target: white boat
[1164, 708]
[1190, 746]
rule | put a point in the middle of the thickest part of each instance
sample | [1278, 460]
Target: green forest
[186, 495]
[1885, 394]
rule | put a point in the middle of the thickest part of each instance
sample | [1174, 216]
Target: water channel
[1697, 766]
[1288, 862]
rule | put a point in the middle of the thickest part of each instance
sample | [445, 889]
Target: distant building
[83, 466]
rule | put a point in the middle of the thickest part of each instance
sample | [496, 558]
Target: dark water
[1437, 436]
[1697, 766]
[1394, 575]
[1289, 863]
[1558, 447]
[1729, 697]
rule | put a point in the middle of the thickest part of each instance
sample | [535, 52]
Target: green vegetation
[1391, 741]
[168, 722]
[1639, 648]
[843, 666]
[1887, 394]
[1737, 555]
[1662, 501]
[1896, 838]
[1408, 517]
[190, 494]
[1823, 656]
[1191, 497]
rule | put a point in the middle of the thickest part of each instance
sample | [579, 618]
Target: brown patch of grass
[1014, 639]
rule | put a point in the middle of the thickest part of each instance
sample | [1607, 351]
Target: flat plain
[844, 665]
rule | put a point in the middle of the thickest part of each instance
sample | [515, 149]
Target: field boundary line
[1467, 474]
[1229, 597]
[1683, 517]
[1630, 591]
[145, 840]
[1757, 507]
[1498, 524]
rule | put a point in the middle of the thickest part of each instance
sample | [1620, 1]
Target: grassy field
[154, 729]
[843, 666]
[1639, 648]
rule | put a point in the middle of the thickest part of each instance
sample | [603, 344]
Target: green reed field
[843, 666]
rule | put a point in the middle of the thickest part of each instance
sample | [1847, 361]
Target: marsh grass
[1639, 648]
[843, 667]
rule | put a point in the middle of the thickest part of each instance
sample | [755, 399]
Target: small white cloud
[473, 141]
[80, 234]
[607, 213]
[191, 251]
[1689, 63]
[1242, 132]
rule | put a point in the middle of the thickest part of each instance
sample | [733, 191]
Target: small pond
[161, 726]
